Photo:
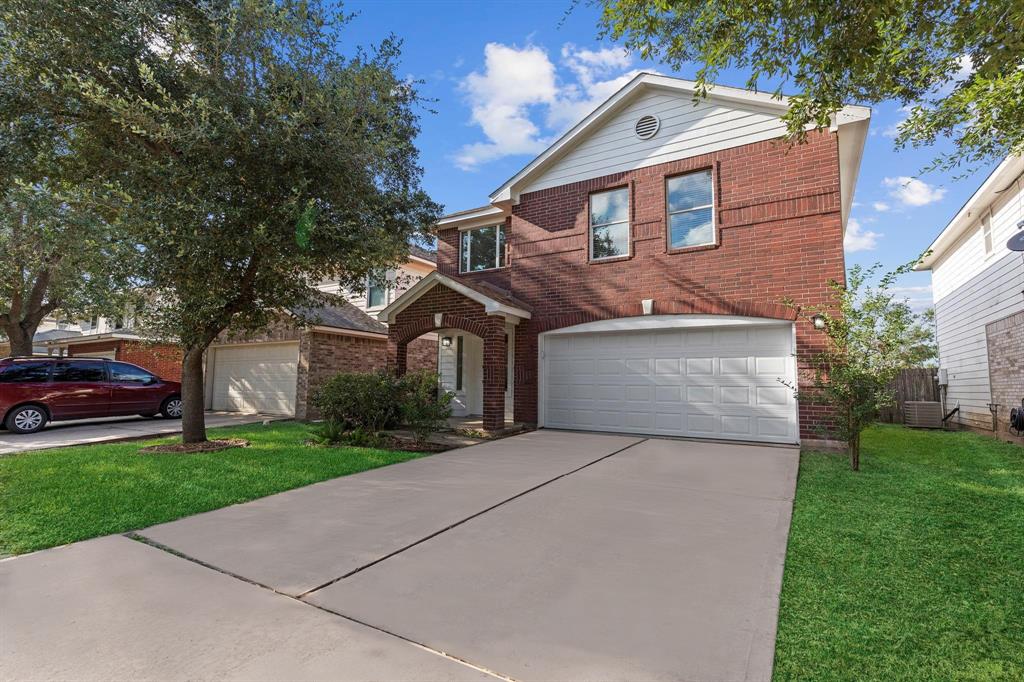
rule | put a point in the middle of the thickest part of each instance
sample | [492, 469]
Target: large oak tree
[261, 153]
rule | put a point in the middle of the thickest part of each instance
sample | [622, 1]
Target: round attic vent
[647, 127]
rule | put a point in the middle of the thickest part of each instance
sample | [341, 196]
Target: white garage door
[255, 378]
[706, 382]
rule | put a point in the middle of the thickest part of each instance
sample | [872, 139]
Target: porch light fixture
[446, 341]
[818, 321]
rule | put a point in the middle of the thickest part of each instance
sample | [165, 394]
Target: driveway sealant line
[467, 519]
[131, 535]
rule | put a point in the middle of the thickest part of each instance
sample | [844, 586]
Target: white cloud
[519, 91]
[919, 298]
[894, 129]
[880, 206]
[913, 192]
[513, 80]
[858, 239]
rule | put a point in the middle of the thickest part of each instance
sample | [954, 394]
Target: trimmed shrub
[358, 400]
[364, 404]
[424, 407]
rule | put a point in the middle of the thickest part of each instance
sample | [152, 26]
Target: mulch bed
[206, 446]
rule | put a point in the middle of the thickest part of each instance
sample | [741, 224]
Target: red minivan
[34, 391]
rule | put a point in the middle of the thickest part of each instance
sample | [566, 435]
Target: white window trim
[498, 253]
[628, 221]
[387, 292]
[669, 212]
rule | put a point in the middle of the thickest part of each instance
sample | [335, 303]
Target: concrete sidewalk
[84, 431]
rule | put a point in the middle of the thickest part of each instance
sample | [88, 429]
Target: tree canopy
[260, 154]
[956, 65]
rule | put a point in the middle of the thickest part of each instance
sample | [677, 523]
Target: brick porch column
[397, 354]
[495, 367]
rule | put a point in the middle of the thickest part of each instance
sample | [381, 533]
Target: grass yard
[911, 569]
[52, 497]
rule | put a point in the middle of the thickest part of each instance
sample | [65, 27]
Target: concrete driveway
[84, 431]
[546, 556]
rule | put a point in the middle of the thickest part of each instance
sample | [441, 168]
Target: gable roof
[851, 122]
[421, 253]
[494, 300]
[337, 313]
[1005, 174]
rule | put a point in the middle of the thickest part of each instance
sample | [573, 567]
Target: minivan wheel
[171, 409]
[26, 419]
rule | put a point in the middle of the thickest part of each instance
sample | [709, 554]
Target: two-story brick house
[631, 278]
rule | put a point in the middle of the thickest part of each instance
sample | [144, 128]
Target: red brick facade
[161, 359]
[779, 230]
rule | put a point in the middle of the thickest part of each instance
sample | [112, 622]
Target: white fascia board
[1004, 174]
[484, 215]
[491, 306]
[642, 322]
[105, 336]
[339, 331]
[853, 135]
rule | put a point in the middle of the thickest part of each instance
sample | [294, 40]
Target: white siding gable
[686, 130]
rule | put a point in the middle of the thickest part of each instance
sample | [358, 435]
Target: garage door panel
[707, 382]
[255, 378]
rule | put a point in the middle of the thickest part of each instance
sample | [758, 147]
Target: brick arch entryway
[440, 307]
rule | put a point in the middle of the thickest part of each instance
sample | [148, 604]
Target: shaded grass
[912, 568]
[52, 497]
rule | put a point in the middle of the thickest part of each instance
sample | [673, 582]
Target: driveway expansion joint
[468, 518]
[131, 535]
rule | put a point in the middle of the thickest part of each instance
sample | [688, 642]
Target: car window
[79, 372]
[123, 373]
[25, 372]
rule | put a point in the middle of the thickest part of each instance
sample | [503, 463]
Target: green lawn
[912, 568]
[52, 497]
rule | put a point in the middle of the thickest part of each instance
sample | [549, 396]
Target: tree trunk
[20, 339]
[855, 453]
[193, 415]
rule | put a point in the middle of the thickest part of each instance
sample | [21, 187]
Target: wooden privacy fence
[916, 383]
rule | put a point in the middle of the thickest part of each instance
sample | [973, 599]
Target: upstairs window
[609, 224]
[691, 220]
[376, 290]
[482, 249]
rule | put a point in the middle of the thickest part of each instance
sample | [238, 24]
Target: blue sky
[509, 77]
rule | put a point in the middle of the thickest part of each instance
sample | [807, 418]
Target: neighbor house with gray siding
[978, 288]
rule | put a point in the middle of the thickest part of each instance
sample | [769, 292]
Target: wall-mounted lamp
[818, 321]
[446, 342]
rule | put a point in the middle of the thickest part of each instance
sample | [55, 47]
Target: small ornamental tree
[868, 333]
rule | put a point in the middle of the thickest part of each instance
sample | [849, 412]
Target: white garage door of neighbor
[703, 382]
[255, 378]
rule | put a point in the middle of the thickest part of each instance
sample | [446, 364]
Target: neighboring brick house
[278, 371]
[631, 278]
[978, 289]
[162, 359]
